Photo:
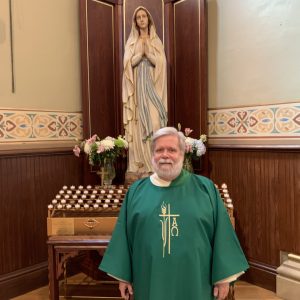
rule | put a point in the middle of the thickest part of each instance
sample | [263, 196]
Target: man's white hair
[168, 131]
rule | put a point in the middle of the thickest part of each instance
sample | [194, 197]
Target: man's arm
[221, 290]
[125, 289]
[124, 286]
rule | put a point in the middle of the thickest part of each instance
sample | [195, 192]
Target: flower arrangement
[99, 150]
[194, 148]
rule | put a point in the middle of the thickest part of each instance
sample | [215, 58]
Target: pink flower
[76, 150]
[188, 131]
[100, 149]
[92, 139]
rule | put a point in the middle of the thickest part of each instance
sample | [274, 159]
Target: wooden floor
[247, 291]
[243, 291]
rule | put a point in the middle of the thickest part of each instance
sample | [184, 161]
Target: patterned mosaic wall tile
[282, 120]
[29, 126]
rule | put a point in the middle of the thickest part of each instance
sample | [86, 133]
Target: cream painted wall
[46, 54]
[253, 48]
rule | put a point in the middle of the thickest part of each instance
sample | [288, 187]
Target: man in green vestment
[173, 239]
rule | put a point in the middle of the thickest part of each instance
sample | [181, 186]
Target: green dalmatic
[173, 242]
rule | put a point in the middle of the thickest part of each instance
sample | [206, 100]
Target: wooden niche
[182, 27]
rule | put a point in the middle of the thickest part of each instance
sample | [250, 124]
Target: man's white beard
[170, 172]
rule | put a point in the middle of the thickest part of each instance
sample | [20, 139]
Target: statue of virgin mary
[144, 91]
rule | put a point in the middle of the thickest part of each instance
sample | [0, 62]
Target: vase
[107, 172]
[187, 164]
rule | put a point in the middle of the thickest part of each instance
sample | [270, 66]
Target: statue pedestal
[288, 278]
[131, 177]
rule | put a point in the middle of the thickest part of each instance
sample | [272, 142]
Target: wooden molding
[286, 147]
[36, 147]
[283, 143]
[24, 280]
[262, 275]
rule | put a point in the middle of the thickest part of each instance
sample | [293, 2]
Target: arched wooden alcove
[182, 27]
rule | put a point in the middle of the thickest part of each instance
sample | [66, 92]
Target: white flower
[109, 138]
[189, 141]
[108, 144]
[201, 149]
[87, 148]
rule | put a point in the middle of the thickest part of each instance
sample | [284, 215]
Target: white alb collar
[158, 181]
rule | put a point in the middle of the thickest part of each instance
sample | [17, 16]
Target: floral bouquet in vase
[194, 148]
[103, 153]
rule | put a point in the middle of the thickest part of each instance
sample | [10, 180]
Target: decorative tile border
[254, 122]
[37, 126]
[269, 121]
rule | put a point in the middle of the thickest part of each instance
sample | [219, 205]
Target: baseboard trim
[24, 280]
[262, 275]
[28, 279]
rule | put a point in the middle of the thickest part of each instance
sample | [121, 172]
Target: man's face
[142, 19]
[167, 158]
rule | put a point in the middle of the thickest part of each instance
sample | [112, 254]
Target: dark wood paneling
[186, 64]
[101, 33]
[186, 50]
[118, 34]
[101, 69]
[101, 38]
[28, 182]
[264, 185]
[189, 65]
[169, 46]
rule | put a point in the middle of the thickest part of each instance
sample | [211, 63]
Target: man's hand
[221, 290]
[125, 289]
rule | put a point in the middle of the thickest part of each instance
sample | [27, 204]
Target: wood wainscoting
[28, 183]
[265, 188]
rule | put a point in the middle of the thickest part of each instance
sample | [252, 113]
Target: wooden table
[61, 248]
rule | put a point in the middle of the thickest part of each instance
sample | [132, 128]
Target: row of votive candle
[80, 204]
